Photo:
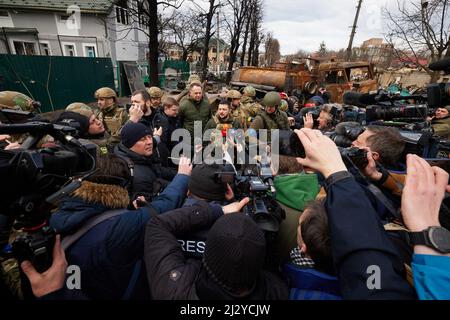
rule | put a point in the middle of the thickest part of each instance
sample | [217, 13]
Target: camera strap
[69, 240]
[376, 192]
[384, 200]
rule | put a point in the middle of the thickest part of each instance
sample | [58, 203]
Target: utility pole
[218, 45]
[352, 35]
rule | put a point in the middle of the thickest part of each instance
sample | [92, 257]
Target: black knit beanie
[206, 184]
[79, 121]
[132, 133]
[235, 252]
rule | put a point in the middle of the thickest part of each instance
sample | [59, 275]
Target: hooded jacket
[294, 191]
[109, 252]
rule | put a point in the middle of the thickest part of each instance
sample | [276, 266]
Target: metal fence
[55, 81]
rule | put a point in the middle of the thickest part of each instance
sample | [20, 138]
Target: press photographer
[38, 178]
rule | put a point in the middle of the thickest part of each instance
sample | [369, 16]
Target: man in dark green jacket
[194, 109]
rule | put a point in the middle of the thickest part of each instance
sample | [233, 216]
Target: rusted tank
[281, 77]
[339, 77]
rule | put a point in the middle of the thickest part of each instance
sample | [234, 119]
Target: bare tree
[187, 30]
[143, 15]
[208, 17]
[418, 29]
[248, 19]
[300, 54]
[256, 33]
[238, 13]
[322, 50]
[272, 53]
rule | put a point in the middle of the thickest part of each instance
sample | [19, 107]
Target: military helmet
[155, 92]
[17, 100]
[234, 94]
[249, 91]
[105, 92]
[80, 108]
[272, 99]
[192, 78]
[284, 105]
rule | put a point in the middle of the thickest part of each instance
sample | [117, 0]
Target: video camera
[439, 93]
[256, 182]
[385, 106]
[37, 180]
[291, 146]
[345, 133]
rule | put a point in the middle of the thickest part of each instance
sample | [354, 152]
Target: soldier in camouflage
[156, 95]
[272, 117]
[237, 111]
[249, 105]
[113, 116]
[96, 131]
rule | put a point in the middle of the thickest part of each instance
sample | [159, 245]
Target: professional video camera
[36, 181]
[389, 107]
[291, 146]
[438, 94]
[256, 182]
[385, 106]
[345, 133]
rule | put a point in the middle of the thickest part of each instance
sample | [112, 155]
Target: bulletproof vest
[244, 119]
[112, 119]
[250, 107]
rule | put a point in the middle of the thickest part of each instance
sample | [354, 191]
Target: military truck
[287, 77]
[339, 77]
[303, 79]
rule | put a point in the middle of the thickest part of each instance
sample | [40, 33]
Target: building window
[4, 13]
[89, 51]
[45, 49]
[64, 17]
[122, 15]
[69, 50]
[24, 48]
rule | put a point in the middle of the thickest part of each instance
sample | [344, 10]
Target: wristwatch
[437, 238]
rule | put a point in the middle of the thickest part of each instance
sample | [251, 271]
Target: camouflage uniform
[441, 127]
[277, 120]
[105, 142]
[113, 117]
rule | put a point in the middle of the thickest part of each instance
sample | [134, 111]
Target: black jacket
[149, 177]
[150, 121]
[169, 125]
[171, 276]
[359, 243]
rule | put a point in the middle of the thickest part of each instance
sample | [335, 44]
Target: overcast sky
[304, 24]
